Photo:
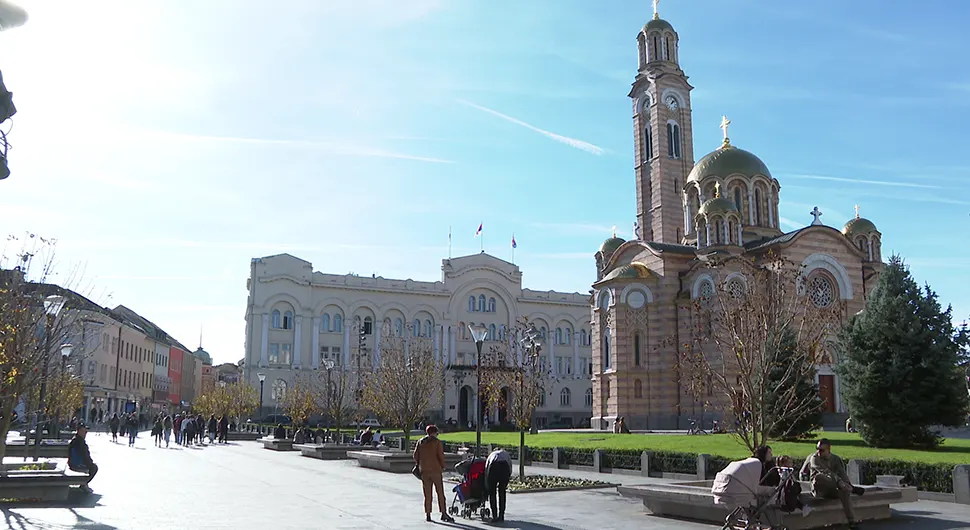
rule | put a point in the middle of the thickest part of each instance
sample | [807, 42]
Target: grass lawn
[848, 446]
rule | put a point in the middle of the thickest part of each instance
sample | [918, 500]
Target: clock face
[671, 102]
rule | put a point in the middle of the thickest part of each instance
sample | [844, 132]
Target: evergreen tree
[780, 378]
[898, 371]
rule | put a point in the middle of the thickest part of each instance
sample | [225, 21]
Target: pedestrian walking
[132, 429]
[167, 429]
[115, 424]
[223, 429]
[429, 456]
[212, 426]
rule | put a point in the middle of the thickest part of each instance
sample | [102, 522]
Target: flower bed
[539, 483]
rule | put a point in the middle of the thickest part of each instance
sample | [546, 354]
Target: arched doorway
[463, 405]
[504, 405]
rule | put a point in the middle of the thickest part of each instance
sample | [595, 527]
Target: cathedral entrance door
[463, 406]
[826, 391]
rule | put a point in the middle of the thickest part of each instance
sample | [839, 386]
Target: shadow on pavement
[16, 521]
[76, 499]
[524, 525]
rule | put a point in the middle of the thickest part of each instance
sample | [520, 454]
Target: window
[582, 337]
[286, 353]
[542, 399]
[481, 303]
[706, 290]
[288, 320]
[589, 397]
[491, 305]
[641, 50]
[368, 325]
[737, 198]
[673, 140]
[558, 335]
[338, 323]
[564, 396]
[416, 328]
[757, 207]
[606, 349]
[636, 349]
[647, 140]
[335, 355]
[274, 353]
[471, 304]
[325, 323]
[637, 389]
[491, 332]
[667, 53]
[820, 291]
[398, 327]
[428, 328]
[567, 336]
[656, 48]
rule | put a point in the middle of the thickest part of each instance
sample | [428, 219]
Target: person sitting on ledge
[79, 456]
[829, 479]
[280, 432]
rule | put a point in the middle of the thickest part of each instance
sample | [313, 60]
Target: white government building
[297, 319]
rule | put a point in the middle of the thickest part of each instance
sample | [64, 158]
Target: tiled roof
[765, 243]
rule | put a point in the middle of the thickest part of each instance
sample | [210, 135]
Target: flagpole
[482, 238]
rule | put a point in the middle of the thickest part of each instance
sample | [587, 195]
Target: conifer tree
[780, 380]
[899, 371]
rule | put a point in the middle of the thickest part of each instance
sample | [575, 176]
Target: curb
[564, 488]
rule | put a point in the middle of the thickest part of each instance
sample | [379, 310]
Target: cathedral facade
[725, 204]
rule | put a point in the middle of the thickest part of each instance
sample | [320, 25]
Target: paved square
[243, 485]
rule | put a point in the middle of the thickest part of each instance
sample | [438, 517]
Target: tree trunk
[522, 454]
[7, 412]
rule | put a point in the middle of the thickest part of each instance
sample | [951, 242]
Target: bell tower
[662, 132]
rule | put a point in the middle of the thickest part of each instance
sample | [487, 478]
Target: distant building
[228, 373]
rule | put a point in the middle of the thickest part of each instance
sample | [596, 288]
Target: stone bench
[394, 461]
[242, 436]
[51, 483]
[276, 444]
[51, 449]
[694, 500]
[326, 451]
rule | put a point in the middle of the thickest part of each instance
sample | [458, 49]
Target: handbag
[416, 471]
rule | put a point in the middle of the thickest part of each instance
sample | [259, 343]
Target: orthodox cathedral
[725, 204]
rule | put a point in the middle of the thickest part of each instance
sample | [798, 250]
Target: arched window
[338, 323]
[605, 300]
[491, 305]
[582, 337]
[647, 140]
[491, 332]
[368, 325]
[416, 328]
[564, 396]
[666, 48]
[642, 50]
[567, 337]
[637, 389]
[737, 198]
[277, 321]
[673, 140]
[558, 335]
[501, 332]
[757, 207]
[542, 333]
[325, 323]
[398, 327]
[471, 304]
[656, 48]
[481, 303]
[288, 320]
[606, 349]
[589, 397]
[428, 328]
[542, 399]
[636, 349]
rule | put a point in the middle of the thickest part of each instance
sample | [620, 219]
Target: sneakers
[806, 510]
[857, 490]
[446, 518]
[86, 489]
[427, 517]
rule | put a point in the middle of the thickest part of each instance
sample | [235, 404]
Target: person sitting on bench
[79, 456]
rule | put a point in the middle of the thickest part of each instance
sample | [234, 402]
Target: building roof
[657, 23]
[204, 355]
[726, 161]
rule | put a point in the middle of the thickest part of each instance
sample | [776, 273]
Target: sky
[165, 144]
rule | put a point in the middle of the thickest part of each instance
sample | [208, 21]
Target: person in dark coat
[223, 428]
[280, 432]
[79, 456]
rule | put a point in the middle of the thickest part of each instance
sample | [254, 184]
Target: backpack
[791, 494]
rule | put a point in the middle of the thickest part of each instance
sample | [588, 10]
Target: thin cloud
[790, 224]
[573, 227]
[866, 181]
[564, 255]
[572, 142]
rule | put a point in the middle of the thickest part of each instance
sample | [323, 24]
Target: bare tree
[516, 365]
[754, 333]
[335, 396]
[406, 381]
[36, 319]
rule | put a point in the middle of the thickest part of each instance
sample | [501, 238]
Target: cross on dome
[856, 211]
[656, 14]
[725, 122]
[614, 230]
[816, 213]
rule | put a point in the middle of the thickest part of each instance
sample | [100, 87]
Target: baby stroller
[754, 506]
[470, 495]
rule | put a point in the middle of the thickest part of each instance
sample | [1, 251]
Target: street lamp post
[479, 332]
[328, 364]
[65, 353]
[52, 306]
[532, 342]
[262, 379]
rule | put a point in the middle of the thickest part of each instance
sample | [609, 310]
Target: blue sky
[165, 144]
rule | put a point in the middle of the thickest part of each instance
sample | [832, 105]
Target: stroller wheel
[486, 513]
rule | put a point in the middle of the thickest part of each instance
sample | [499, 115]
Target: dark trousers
[497, 480]
[91, 470]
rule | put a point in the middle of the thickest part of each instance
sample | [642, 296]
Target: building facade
[228, 373]
[726, 207]
[175, 376]
[162, 383]
[298, 320]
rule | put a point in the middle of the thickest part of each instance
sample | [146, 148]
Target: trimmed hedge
[926, 477]
[622, 459]
[673, 462]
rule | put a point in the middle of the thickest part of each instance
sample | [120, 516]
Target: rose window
[736, 288]
[821, 292]
[706, 290]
